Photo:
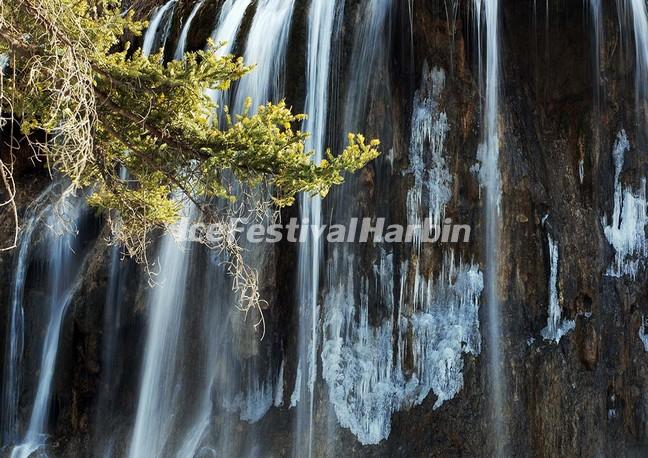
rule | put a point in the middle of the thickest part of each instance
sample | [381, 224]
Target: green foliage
[104, 107]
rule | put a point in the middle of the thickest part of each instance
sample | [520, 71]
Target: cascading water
[11, 385]
[368, 54]
[370, 40]
[596, 14]
[158, 29]
[156, 406]
[119, 270]
[63, 264]
[182, 41]
[320, 35]
[220, 319]
[427, 323]
[265, 47]
[229, 23]
[597, 25]
[11, 375]
[489, 177]
[238, 386]
[639, 13]
[157, 401]
[112, 365]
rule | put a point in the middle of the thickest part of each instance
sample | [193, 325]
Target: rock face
[401, 362]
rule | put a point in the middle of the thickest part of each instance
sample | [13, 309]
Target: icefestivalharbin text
[357, 230]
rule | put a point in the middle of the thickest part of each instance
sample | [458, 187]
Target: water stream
[158, 29]
[63, 263]
[11, 385]
[160, 381]
[489, 177]
[320, 35]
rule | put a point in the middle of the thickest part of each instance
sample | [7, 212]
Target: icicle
[365, 385]
[627, 231]
[643, 335]
[555, 327]
[432, 179]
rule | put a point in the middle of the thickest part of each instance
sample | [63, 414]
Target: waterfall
[158, 29]
[11, 379]
[112, 366]
[230, 373]
[369, 46]
[344, 285]
[229, 23]
[639, 13]
[266, 48]
[11, 374]
[320, 35]
[489, 176]
[159, 384]
[596, 14]
[220, 318]
[182, 41]
[597, 25]
[63, 282]
[215, 331]
[156, 407]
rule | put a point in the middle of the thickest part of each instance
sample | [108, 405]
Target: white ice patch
[294, 399]
[432, 179]
[555, 327]
[445, 324]
[363, 363]
[627, 231]
[254, 402]
[279, 387]
[642, 333]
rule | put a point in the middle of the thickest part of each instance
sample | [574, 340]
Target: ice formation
[643, 335]
[555, 327]
[363, 364]
[627, 231]
[432, 179]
